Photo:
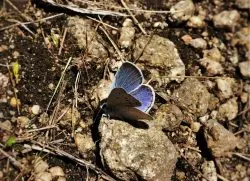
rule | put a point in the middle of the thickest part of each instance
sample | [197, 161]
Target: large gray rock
[161, 54]
[131, 153]
[193, 97]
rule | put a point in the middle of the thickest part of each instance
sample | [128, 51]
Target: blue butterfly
[129, 98]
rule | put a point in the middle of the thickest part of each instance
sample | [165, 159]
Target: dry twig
[12, 159]
[133, 17]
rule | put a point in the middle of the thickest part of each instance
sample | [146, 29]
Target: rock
[40, 166]
[82, 30]
[219, 140]
[243, 4]
[127, 34]
[35, 109]
[244, 97]
[195, 126]
[182, 11]
[14, 102]
[71, 116]
[5, 125]
[187, 39]
[161, 54]
[245, 68]
[43, 176]
[56, 171]
[3, 48]
[131, 153]
[213, 54]
[226, 19]
[196, 101]
[243, 38]
[61, 179]
[225, 86]
[209, 171]
[198, 43]
[84, 143]
[228, 110]
[15, 54]
[23, 122]
[212, 67]
[167, 117]
[196, 22]
[4, 81]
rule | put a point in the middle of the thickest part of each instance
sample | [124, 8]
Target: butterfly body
[129, 98]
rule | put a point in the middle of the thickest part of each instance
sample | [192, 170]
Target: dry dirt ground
[54, 60]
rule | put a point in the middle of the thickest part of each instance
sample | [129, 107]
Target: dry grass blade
[133, 17]
[59, 83]
[31, 22]
[113, 43]
[84, 11]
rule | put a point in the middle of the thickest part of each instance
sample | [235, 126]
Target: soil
[41, 69]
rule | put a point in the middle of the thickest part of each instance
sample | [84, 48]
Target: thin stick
[23, 25]
[131, 9]
[12, 159]
[62, 42]
[133, 17]
[190, 76]
[31, 22]
[103, 23]
[59, 83]
[41, 129]
[242, 156]
[15, 8]
[221, 177]
[113, 43]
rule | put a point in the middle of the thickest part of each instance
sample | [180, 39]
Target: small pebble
[187, 39]
[35, 109]
[195, 126]
[3, 48]
[15, 54]
[226, 19]
[56, 171]
[196, 22]
[198, 43]
[228, 110]
[23, 122]
[5, 125]
[225, 87]
[182, 10]
[212, 67]
[245, 68]
[40, 165]
[14, 102]
[84, 143]
[61, 179]
[243, 4]
[43, 176]
[244, 97]
[51, 86]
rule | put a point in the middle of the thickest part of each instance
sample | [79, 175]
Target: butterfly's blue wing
[146, 95]
[128, 77]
